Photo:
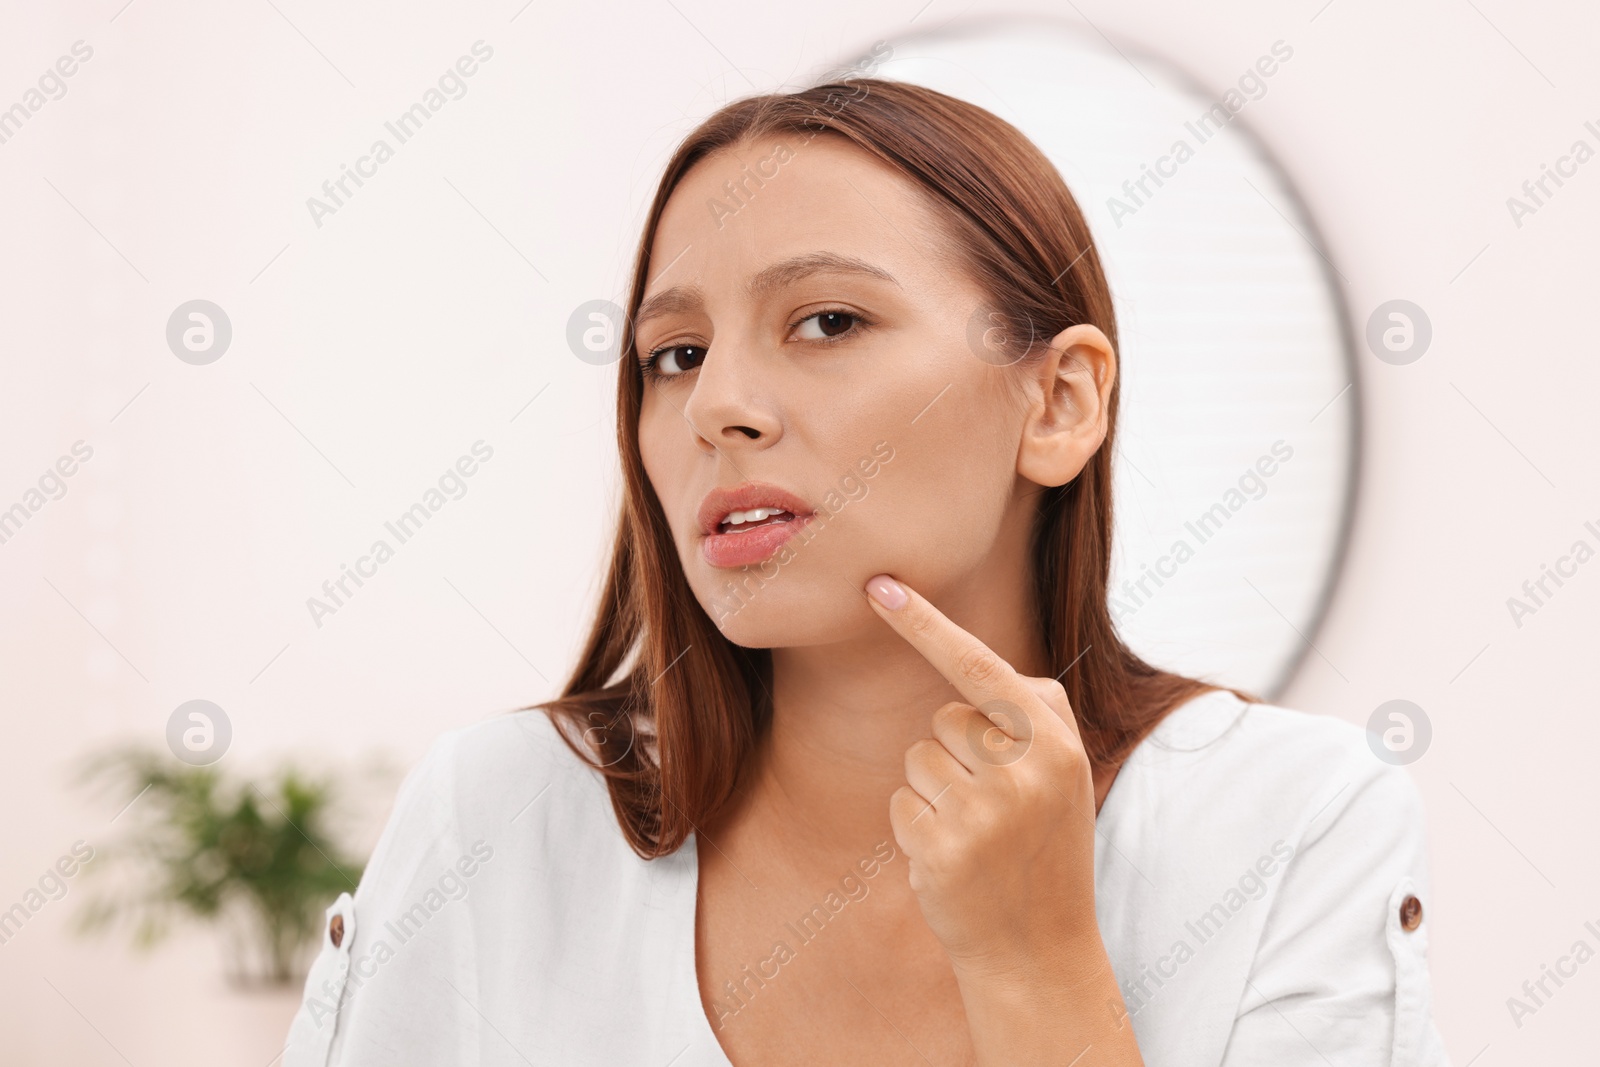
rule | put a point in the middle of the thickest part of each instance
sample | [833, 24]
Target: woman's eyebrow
[785, 272]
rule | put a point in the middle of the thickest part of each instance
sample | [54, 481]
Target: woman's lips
[753, 543]
[744, 547]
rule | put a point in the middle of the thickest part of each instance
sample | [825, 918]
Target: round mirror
[1237, 444]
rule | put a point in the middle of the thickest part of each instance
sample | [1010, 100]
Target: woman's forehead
[733, 220]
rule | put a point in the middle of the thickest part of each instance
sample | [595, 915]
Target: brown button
[336, 927]
[1410, 913]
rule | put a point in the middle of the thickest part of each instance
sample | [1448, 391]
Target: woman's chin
[794, 617]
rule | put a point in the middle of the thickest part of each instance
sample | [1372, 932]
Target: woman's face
[809, 340]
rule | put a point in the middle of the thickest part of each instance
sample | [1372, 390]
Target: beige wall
[372, 351]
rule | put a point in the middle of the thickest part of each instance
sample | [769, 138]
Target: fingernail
[886, 591]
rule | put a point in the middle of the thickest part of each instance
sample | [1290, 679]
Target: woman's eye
[676, 359]
[829, 323]
[669, 361]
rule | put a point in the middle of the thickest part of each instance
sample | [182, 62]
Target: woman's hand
[997, 818]
[997, 823]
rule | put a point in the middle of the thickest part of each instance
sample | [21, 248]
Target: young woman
[854, 766]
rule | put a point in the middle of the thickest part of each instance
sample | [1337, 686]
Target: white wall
[372, 351]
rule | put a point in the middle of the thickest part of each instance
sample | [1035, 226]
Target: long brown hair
[664, 705]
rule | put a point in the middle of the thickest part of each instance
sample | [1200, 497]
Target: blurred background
[225, 377]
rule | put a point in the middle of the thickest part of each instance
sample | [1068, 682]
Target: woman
[854, 766]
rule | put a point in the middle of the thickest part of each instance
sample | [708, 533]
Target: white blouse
[1260, 886]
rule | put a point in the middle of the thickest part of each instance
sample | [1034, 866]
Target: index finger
[979, 674]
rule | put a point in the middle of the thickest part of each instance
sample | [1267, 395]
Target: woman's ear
[1069, 405]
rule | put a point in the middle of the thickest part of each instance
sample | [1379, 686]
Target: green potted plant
[256, 859]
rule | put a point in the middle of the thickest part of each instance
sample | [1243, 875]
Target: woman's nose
[729, 404]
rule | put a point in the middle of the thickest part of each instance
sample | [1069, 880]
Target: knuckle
[1009, 716]
[1070, 756]
[904, 805]
[922, 752]
[921, 623]
[979, 665]
[991, 744]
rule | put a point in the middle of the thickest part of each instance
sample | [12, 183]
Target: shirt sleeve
[420, 830]
[1341, 971]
